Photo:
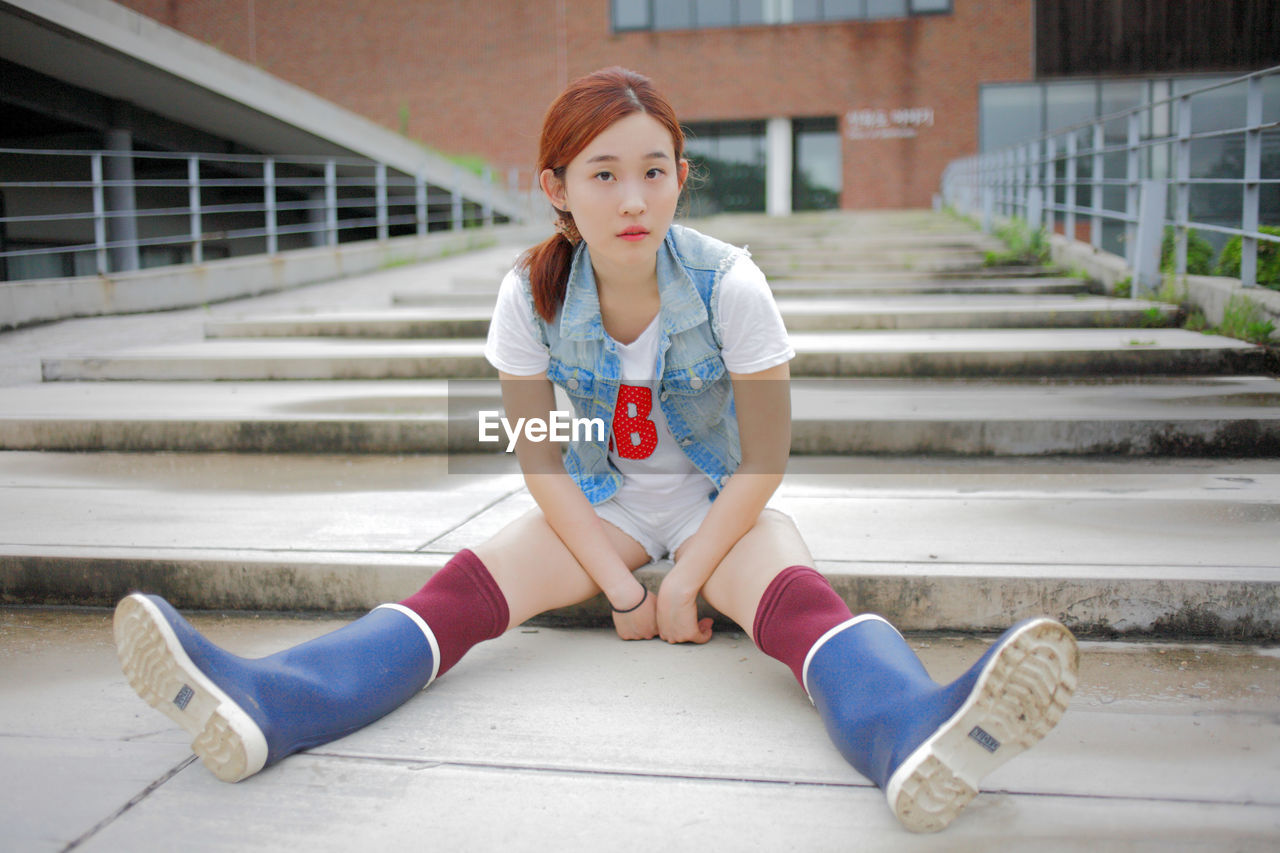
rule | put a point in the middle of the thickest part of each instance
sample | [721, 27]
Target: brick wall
[473, 77]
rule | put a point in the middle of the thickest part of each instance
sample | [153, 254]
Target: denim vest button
[664, 395]
[685, 442]
[572, 385]
[695, 383]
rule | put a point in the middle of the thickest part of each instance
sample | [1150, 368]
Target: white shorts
[659, 532]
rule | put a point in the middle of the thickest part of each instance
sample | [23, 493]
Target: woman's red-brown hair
[586, 108]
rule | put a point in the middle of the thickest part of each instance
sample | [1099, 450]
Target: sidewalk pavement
[571, 740]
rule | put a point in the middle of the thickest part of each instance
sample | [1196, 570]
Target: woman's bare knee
[771, 545]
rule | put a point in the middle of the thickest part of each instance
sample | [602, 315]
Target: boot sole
[1020, 695]
[226, 739]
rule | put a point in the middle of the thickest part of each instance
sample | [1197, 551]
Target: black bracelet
[642, 600]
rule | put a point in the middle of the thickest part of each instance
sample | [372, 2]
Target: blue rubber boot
[925, 744]
[247, 713]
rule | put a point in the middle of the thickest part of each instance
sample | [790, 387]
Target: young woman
[673, 340]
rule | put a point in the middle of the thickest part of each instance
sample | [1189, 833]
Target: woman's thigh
[537, 573]
[738, 583]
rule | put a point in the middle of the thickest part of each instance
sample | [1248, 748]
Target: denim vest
[695, 391]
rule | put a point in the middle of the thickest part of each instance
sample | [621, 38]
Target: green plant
[1025, 247]
[1268, 259]
[1199, 252]
[469, 162]
[1245, 320]
[1196, 322]
[1171, 291]
[1152, 318]
[1123, 288]
[971, 221]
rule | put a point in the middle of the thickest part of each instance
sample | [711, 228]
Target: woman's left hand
[678, 612]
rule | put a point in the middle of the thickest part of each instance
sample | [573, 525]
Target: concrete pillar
[778, 166]
[122, 223]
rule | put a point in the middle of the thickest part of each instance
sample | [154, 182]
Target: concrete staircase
[938, 406]
[938, 357]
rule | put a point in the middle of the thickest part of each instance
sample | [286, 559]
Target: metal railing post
[1070, 229]
[1019, 187]
[99, 213]
[380, 194]
[1252, 176]
[1182, 174]
[269, 202]
[420, 203]
[1095, 221]
[1146, 254]
[456, 205]
[1035, 176]
[513, 183]
[331, 202]
[193, 202]
[1131, 176]
[1050, 183]
[486, 208]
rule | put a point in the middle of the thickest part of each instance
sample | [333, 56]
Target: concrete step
[970, 311]
[1133, 547]
[908, 284]
[974, 269]
[800, 265]
[477, 287]
[1235, 416]
[931, 311]
[891, 353]
[1020, 353]
[439, 321]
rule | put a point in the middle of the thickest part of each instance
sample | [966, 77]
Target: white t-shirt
[654, 468]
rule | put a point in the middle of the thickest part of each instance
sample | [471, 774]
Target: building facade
[790, 104]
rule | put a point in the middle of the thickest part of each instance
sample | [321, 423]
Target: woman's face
[622, 190]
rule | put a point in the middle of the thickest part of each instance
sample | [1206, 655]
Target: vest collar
[681, 306]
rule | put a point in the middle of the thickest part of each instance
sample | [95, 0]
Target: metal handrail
[1025, 180]
[333, 190]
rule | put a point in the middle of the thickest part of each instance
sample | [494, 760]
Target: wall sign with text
[874, 123]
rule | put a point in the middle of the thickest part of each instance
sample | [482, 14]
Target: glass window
[631, 14]
[713, 13]
[672, 15]
[805, 10]
[729, 166]
[1069, 103]
[750, 12]
[1010, 114]
[930, 7]
[1218, 108]
[886, 8]
[1118, 95]
[817, 176]
[844, 10]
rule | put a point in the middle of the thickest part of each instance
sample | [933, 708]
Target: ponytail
[548, 264]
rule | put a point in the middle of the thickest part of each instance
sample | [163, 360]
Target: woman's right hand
[638, 624]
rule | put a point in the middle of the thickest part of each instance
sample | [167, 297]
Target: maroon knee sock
[462, 605]
[797, 608]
